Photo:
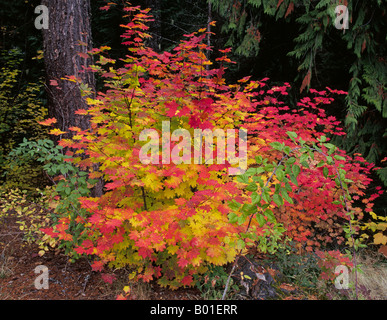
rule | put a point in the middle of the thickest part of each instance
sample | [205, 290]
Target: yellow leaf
[382, 226]
[132, 275]
[172, 249]
[126, 289]
[93, 101]
[57, 132]
[380, 238]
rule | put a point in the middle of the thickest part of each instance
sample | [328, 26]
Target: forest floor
[77, 281]
[67, 281]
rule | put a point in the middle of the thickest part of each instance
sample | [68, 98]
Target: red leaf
[108, 278]
[54, 83]
[97, 265]
[114, 185]
[187, 280]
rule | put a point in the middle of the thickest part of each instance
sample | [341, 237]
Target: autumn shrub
[169, 220]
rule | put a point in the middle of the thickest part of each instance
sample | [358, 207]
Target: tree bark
[66, 43]
[68, 34]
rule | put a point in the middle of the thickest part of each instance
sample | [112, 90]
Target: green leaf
[296, 170]
[251, 171]
[287, 150]
[241, 244]
[322, 139]
[277, 145]
[266, 195]
[68, 190]
[270, 215]
[280, 175]
[255, 198]
[292, 135]
[241, 220]
[337, 181]
[278, 200]
[258, 159]
[234, 205]
[293, 179]
[249, 208]
[243, 178]
[252, 187]
[320, 164]
[286, 196]
[232, 217]
[325, 172]
[261, 220]
[290, 161]
[337, 157]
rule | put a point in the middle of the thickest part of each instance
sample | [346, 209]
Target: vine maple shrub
[200, 136]
[168, 221]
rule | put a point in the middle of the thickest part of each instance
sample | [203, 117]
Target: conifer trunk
[68, 34]
[66, 43]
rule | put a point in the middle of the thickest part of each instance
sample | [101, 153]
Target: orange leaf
[83, 55]
[81, 112]
[47, 122]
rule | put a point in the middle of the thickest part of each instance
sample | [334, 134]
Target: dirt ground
[67, 281]
[77, 281]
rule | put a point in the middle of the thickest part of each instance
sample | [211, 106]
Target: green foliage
[352, 58]
[300, 269]
[20, 109]
[70, 183]
[212, 284]
[277, 181]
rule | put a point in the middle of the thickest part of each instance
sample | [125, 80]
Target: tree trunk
[66, 42]
[68, 34]
[154, 26]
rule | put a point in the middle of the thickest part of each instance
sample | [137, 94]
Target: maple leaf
[187, 280]
[88, 203]
[54, 83]
[108, 278]
[213, 252]
[380, 238]
[182, 262]
[172, 108]
[81, 112]
[48, 122]
[97, 265]
[114, 185]
[57, 132]
[113, 223]
[83, 55]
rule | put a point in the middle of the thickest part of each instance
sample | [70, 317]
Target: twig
[229, 277]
